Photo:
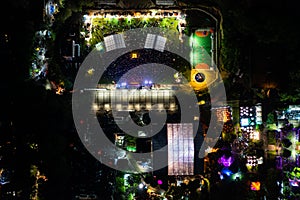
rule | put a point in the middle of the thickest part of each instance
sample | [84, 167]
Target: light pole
[74, 47]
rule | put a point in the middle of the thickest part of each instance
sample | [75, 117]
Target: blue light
[4, 177]
[226, 172]
[245, 122]
[51, 9]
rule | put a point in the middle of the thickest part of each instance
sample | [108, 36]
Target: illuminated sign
[245, 122]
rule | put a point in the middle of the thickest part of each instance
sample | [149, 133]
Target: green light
[201, 45]
[115, 20]
[237, 175]
[131, 148]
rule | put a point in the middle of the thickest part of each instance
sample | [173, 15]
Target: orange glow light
[255, 185]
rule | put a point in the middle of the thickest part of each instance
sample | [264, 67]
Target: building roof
[137, 4]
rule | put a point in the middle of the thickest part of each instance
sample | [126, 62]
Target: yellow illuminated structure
[202, 78]
[134, 55]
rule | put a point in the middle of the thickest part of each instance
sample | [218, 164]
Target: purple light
[225, 161]
[159, 182]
